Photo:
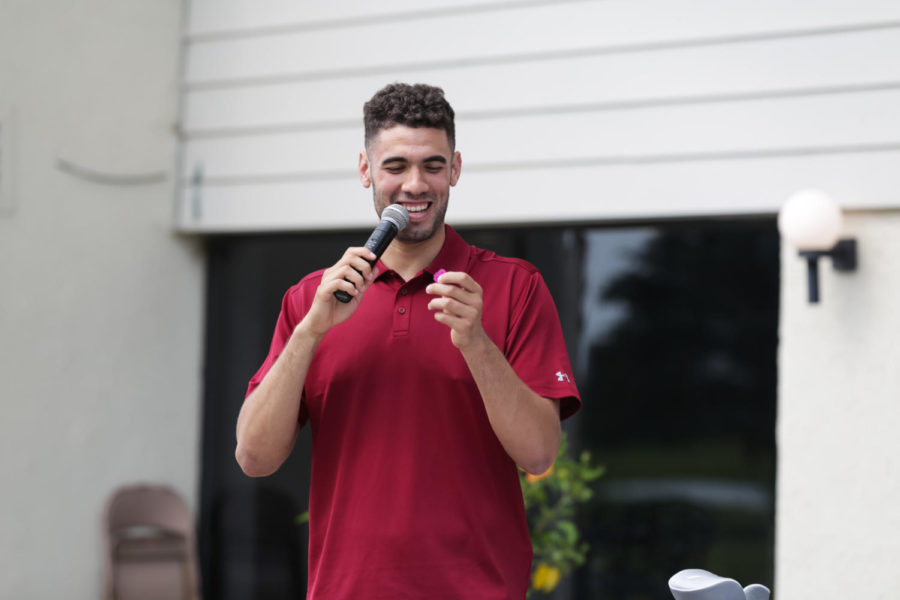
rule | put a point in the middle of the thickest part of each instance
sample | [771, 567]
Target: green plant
[550, 502]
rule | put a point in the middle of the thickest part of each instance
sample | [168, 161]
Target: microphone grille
[396, 214]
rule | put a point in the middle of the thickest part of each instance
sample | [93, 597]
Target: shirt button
[402, 310]
[404, 292]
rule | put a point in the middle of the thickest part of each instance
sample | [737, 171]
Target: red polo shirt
[412, 495]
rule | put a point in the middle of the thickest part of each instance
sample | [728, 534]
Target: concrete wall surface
[838, 499]
[100, 302]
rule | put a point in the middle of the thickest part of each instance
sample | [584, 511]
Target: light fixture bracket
[843, 258]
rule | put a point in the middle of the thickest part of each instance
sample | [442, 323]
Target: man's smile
[417, 210]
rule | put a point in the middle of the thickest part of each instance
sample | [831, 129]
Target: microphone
[393, 218]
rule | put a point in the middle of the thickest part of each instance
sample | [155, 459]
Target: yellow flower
[545, 578]
[532, 478]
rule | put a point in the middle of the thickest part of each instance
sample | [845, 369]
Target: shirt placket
[402, 310]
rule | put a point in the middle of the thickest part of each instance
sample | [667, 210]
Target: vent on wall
[6, 163]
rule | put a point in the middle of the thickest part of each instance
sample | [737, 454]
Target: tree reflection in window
[678, 376]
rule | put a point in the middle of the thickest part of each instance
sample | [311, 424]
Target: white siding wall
[100, 302]
[577, 110]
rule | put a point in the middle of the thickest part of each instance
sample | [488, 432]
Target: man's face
[415, 167]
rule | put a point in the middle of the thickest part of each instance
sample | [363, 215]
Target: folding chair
[150, 545]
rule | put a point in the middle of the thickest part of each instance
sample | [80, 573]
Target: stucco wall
[100, 303]
[838, 495]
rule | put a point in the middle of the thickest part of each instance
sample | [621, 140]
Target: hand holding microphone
[393, 218]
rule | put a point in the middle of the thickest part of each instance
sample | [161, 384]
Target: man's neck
[407, 259]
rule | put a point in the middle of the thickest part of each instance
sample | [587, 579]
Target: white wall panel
[672, 131]
[216, 16]
[838, 501]
[771, 125]
[609, 25]
[860, 58]
[302, 206]
[296, 153]
[692, 187]
[664, 190]
[580, 94]
[234, 16]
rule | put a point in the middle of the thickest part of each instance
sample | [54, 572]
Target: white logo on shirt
[560, 376]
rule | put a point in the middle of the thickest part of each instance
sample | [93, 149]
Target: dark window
[677, 363]
[672, 331]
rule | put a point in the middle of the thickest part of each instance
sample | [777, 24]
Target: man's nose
[415, 183]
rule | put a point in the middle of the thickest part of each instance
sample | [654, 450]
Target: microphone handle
[378, 242]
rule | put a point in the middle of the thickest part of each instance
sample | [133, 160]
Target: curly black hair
[418, 105]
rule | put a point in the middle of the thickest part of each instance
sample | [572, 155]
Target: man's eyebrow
[400, 159]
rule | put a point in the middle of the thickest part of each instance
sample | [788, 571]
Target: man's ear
[365, 175]
[455, 167]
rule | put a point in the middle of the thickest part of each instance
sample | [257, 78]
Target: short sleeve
[535, 347]
[294, 305]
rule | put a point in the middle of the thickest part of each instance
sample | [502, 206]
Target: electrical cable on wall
[110, 178]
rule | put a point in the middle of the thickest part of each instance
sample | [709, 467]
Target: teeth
[416, 207]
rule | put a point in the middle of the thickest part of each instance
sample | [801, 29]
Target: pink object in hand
[439, 273]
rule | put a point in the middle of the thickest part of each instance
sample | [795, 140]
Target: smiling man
[424, 393]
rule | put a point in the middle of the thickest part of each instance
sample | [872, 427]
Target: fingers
[456, 279]
[458, 296]
[340, 290]
[360, 261]
[458, 304]
[454, 322]
[466, 307]
[457, 293]
[352, 273]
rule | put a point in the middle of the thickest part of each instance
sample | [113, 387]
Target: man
[423, 393]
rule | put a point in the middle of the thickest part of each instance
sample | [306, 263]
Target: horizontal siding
[579, 95]
[694, 187]
[704, 74]
[771, 125]
[214, 19]
[523, 35]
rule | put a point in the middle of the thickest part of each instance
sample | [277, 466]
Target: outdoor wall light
[811, 221]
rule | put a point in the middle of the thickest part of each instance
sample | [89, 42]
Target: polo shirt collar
[454, 256]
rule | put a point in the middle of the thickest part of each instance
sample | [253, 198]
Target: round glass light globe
[810, 220]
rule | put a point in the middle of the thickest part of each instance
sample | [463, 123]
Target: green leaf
[550, 505]
[569, 531]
